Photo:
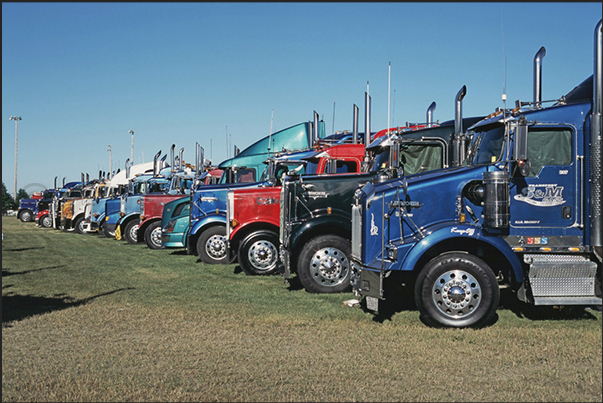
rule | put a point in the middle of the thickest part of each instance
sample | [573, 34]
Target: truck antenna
[270, 134]
[389, 75]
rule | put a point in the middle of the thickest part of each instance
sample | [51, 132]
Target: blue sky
[81, 75]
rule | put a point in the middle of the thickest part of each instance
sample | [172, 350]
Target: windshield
[158, 186]
[380, 159]
[275, 170]
[487, 147]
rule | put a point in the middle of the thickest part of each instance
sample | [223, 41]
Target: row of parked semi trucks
[450, 212]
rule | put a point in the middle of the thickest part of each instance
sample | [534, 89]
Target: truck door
[548, 196]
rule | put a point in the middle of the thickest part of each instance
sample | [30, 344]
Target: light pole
[16, 119]
[110, 162]
[132, 152]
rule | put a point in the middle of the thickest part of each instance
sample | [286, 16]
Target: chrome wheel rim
[215, 247]
[329, 267]
[133, 233]
[156, 237]
[456, 293]
[262, 255]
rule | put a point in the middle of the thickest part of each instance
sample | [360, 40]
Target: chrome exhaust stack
[180, 156]
[172, 158]
[538, 76]
[314, 130]
[458, 142]
[430, 110]
[154, 164]
[355, 125]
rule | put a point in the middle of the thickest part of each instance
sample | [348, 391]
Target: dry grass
[93, 319]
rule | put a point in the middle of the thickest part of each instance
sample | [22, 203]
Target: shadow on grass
[18, 307]
[179, 252]
[6, 273]
[22, 249]
[404, 301]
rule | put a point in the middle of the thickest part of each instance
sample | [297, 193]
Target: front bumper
[284, 264]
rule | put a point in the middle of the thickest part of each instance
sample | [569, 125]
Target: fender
[205, 221]
[322, 218]
[241, 231]
[142, 228]
[447, 231]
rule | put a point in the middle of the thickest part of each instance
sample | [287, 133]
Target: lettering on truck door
[548, 197]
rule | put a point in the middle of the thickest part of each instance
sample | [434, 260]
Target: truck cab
[523, 211]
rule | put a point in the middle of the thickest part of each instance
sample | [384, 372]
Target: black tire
[457, 290]
[26, 216]
[211, 246]
[258, 253]
[46, 221]
[152, 235]
[131, 232]
[107, 233]
[323, 266]
[79, 225]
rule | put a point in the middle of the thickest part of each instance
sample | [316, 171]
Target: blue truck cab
[523, 211]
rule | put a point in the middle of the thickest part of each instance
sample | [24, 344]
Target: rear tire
[323, 266]
[258, 253]
[457, 290]
[152, 235]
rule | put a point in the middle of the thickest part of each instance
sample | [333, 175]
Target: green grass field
[87, 318]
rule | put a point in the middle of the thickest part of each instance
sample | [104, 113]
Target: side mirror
[521, 147]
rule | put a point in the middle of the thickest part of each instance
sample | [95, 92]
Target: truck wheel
[258, 253]
[211, 246]
[457, 290]
[79, 225]
[107, 233]
[323, 266]
[131, 232]
[46, 221]
[152, 235]
[26, 216]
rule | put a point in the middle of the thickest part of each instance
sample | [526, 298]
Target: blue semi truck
[523, 211]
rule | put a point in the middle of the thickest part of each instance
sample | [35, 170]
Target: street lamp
[132, 151]
[110, 162]
[16, 119]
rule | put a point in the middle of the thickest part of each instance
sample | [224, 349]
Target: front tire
[79, 225]
[46, 221]
[26, 216]
[324, 266]
[258, 253]
[152, 235]
[457, 290]
[107, 233]
[211, 246]
[131, 232]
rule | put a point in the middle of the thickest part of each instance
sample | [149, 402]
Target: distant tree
[7, 200]
[21, 194]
